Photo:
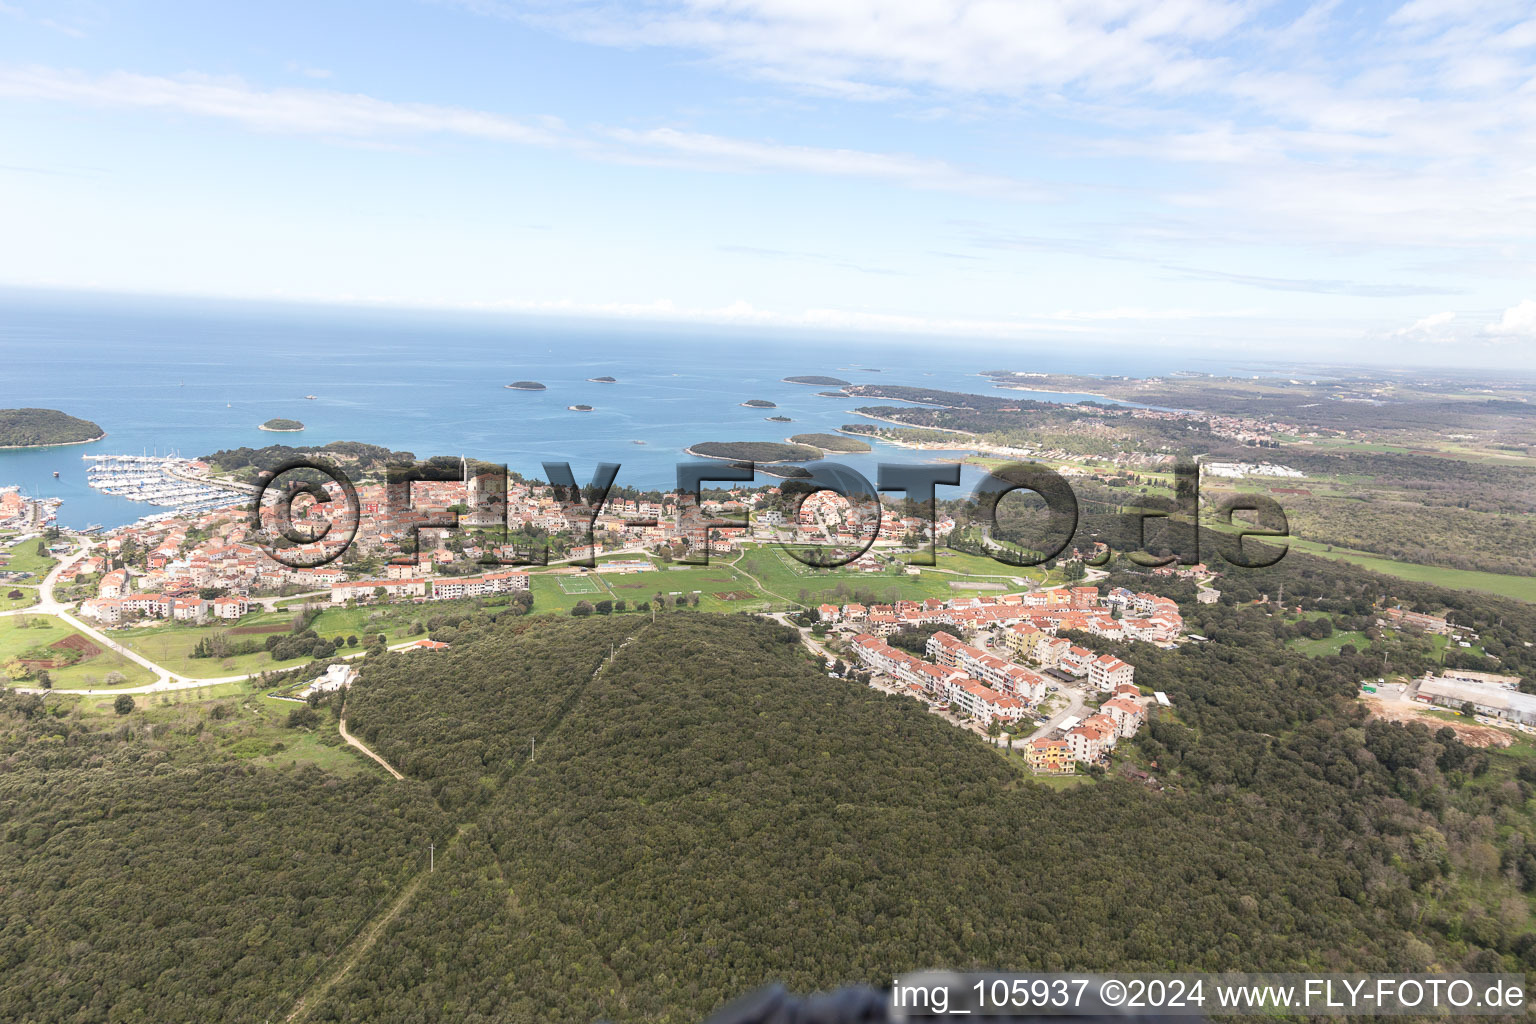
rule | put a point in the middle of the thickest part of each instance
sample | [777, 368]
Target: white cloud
[878, 47]
[362, 118]
[724, 153]
[1332, 125]
[1517, 322]
[305, 111]
[1431, 328]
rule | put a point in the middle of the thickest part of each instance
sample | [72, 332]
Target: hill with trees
[35, 428]
[638, 820]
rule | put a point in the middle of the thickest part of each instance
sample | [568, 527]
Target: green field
[171, 644]
[24, 558]
[249, 727]
[579, 585]
[781, 575]
[43, 630]
[1329, 645]
[1521, 588]
[26, 600]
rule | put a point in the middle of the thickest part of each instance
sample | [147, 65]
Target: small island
[831, 394]
[603, 380]
[778, 419]
[754, 451]
[579, 408]
[812, 379]
[282, 426]
[38, 428]
[832, 442]
[526, 385]
[787, 472]
[759, 403]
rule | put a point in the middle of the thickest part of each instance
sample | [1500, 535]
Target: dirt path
[314, 994]
[317, 993]
[354, 741]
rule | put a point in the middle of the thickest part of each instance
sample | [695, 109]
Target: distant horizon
[1305, 176]
[860, 337]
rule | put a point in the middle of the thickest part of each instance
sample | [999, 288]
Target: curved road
[165, 679]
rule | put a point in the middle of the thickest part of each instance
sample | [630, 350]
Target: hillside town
[1015, 663]
[212, 565]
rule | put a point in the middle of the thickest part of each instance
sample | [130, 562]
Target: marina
[168, 481]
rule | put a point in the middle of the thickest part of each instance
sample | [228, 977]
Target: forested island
[778, 419]
[825, 382]
[37, 428]
[832, 442]
[579, 408]
[754, 451]
[362, 460]
[603, 380]
[831, 394]
[759, 403]
[526, 385]
[281, 425]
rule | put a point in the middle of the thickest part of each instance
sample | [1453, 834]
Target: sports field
[580, 585]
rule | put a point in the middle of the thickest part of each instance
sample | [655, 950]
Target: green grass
[718, 577]
[781, 574]
[1522, 588]
[1058, 781]
[253, 728]
[579, 585]
[27, 599]
[43, 630]
[1329, 645]
[171, 644]
[24, 558]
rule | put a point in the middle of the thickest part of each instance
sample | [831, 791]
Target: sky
[1294, 180]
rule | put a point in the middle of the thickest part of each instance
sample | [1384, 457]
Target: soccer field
[580, 585]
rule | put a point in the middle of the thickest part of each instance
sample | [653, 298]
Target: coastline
[909, 426]
[52, 444]
[755, 462]
[834, 451]
[1053, 391]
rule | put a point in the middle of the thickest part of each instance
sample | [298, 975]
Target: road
[355, 742]
[1074, 708]
[165, 679]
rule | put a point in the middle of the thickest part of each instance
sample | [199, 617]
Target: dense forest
[29, 428]
[638, 819]
[171, 865]
[357, 458]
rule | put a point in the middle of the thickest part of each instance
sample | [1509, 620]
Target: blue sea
[192, 377]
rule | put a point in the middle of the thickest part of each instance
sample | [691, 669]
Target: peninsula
[38, 428]
[812, 379]
[754, 451]
[831, 442]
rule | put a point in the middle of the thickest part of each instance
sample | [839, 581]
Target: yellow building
[1021, 640]
[1050, 757]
